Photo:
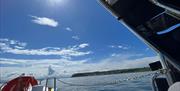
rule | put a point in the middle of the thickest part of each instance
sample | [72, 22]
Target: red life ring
[20, 84]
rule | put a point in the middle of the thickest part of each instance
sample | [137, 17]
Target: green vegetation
[133, 70]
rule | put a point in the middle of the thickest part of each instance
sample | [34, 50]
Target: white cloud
[126, 56]
[6, 43]
[112, 46]
[119, 62]
[122, 47]
[76, 37]
[4, 39]
[114, 54]
[19, 48]
[84, 45]
[147, 49]
[119, 47]
[64, 66]
[41, 62]
[68, 67]
[44, 21]
[37, 67]
[68, 29]
[7, 62]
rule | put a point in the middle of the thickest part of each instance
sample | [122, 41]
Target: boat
[157, 24]
[21, 83]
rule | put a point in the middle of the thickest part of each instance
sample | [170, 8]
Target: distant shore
[121, 71]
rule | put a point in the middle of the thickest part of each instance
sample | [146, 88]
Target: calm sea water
[142, 84]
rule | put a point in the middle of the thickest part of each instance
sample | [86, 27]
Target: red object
[20, 84]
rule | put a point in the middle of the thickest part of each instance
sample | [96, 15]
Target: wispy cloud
[41, 62]
[68, 67]
[6, 43]
[76, 37]
[83, 45]
[147, 49]
[37, 67]
[44, 21]
[123, 61]
[19, 48]
[64, 65]
[68, 29]
[119, 47]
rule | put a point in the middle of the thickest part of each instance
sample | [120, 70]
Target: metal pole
[40, 82]
[154, 82]
[46, 84]
[54, 84]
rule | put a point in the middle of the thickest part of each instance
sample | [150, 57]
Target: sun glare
[56, 2]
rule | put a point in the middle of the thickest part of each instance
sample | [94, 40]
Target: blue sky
[79, 31]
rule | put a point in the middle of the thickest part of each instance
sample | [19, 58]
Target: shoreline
[109, 72]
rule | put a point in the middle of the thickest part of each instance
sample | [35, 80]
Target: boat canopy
[157, 26]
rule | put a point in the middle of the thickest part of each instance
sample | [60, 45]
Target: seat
[175, 87]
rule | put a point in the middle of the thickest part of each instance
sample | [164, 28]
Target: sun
[56, 2]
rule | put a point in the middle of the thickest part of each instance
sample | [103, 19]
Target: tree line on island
[132, 70]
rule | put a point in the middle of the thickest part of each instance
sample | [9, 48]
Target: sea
[121, 82]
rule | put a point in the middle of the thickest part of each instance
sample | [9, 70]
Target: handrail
[156, 75]
[165, 7]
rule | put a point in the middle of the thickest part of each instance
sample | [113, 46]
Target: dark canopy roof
[147, 21]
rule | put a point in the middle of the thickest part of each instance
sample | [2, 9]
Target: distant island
[132, 70]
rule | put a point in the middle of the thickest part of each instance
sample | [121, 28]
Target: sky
[69, 35]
